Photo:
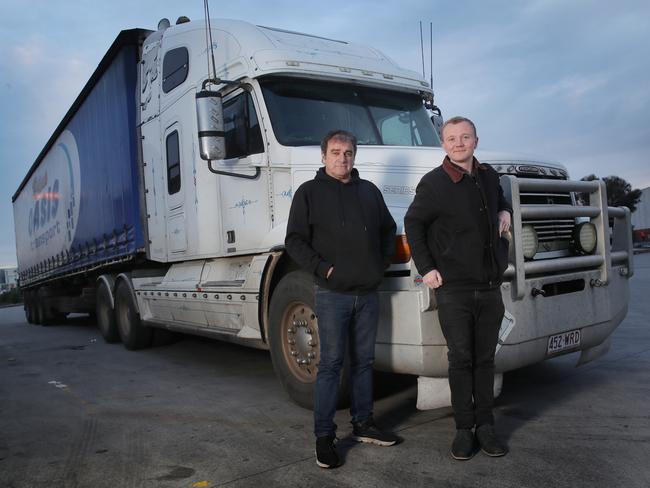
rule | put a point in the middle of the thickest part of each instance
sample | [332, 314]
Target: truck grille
[553, 235]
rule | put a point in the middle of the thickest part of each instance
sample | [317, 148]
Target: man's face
[339, 159]
[459, 142]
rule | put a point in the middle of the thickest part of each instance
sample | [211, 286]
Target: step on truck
[160, 204]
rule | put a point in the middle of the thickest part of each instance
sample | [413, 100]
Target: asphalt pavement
[77, 412]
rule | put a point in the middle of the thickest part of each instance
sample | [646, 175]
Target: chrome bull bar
[606, 254]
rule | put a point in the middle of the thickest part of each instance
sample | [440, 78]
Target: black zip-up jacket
[344, 225]
[452, 226]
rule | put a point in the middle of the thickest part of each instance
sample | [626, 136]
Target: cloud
[59, 74]
[573, 88]
[28, 54]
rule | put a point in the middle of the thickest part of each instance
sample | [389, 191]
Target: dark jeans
[344, 320]
[470, 322]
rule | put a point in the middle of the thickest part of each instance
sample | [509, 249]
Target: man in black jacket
[340, 231]
[455, 228]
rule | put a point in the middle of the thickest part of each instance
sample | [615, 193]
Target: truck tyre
[29, 307]
[37, 309]
[133, 334]
[294, 341]
[48, 316]
[106, 315]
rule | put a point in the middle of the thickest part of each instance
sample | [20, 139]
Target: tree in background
[10, 297]
[619, 192]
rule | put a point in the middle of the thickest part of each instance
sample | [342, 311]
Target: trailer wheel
[106, 315]
[48, 316]
[133, 334]
[294, 341]
[29, 307]
[37, 309]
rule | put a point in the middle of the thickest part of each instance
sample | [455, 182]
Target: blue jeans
[470, 321]
[344, 320]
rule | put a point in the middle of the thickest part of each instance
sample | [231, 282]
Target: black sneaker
[464, 446]
[326, 456]
[369, 432]
[487, 439]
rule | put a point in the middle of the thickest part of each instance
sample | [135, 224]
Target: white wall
[641, 217]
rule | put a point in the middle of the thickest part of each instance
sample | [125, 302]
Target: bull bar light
[584, 236]
[529, 241]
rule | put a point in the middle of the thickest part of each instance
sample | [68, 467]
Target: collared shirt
[456, 172]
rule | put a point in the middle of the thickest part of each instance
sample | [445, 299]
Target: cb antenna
[422, 49]
[208, 41]
[431, 51]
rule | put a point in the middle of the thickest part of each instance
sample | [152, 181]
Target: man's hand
[329, 272]
[433, 279]
[504, 222]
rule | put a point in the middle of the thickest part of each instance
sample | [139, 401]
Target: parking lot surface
[77, 412]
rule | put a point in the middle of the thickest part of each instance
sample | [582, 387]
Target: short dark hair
[457, 120]
[340, 135]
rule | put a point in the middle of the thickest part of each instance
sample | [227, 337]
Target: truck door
[245, 205]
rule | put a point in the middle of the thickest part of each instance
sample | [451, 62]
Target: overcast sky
[567, 81]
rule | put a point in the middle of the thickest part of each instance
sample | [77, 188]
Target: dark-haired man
[341, 232]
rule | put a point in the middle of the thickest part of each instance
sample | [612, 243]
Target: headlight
[529, 241]
[584, 235]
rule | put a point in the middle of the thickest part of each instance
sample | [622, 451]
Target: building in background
[641, 219]
[8, 278]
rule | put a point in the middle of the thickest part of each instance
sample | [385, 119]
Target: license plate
[564, 341]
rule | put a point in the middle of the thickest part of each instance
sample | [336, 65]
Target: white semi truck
[160, 203]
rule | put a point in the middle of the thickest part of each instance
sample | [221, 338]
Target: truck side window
[242, 128]
[173, 164]
[176, 65]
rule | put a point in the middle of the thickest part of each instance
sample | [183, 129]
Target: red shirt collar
[455, 172]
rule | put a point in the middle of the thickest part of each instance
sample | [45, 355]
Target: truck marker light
[402, 250]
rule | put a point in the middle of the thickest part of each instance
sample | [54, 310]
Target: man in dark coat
[340, 231]
[456, 228]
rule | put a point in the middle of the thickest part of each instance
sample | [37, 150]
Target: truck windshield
[303, 111]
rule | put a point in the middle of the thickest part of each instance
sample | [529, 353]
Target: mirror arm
[236, 175]
[219, 81]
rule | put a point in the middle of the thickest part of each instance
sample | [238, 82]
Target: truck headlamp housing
[584, 236]
[529, 241]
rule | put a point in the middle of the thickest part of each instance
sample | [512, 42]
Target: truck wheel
[294, 341]
[37, 309]
[48, 316]
[106, 315]
[133, 334]
[29, 307]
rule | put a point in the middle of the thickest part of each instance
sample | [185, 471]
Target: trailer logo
[54, 207]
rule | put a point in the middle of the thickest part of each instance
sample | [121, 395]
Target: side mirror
[437, 119]
[209, 114]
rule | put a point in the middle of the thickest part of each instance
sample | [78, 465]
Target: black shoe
[369, 432]
[488, 441]
[326, 456]
[464, 446]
